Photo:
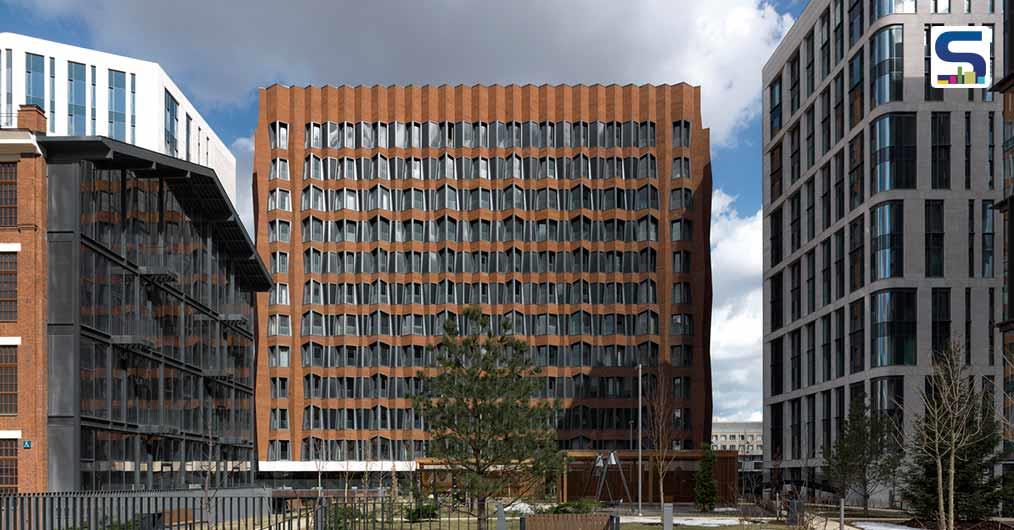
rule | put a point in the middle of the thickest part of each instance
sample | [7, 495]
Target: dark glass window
[857, 188]
[934, 238]
[8, 287]
[940, 150]
[8, 380]
[941, 314]
[775, 105]
[35, 82]
[893, 322]
[8, 193]
[887, 68]
[76, 99]
[887, 241]
[777, 366]
[857, 320]
[857, 273]
[856, 109]
[893, 151]
[775, 162]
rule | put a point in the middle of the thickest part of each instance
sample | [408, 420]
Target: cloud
[243, 148]
[224, 50]
[737, 311]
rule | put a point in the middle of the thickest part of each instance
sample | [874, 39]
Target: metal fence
[223, 510]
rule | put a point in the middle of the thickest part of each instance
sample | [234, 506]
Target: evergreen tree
[865, 458]
[705, 488]
[977, 490]
[484, 424]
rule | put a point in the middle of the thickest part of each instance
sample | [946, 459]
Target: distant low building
[747, 438]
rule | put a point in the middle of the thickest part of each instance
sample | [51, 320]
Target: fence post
[841, 514]
[667, 516]
[501, 517]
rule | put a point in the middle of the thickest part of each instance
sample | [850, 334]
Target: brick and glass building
[1005, 86]
[881, 239]
[580, 214]
[126, 318]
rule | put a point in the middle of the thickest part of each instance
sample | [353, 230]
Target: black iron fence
[224, 510]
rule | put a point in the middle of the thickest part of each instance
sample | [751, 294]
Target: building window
[794, 84]
[186, 141]
[825, 120]
[941, 313]
[279, 199]
[171, 111]
[811, 278]
[8, 380]
[775, 225]
[8, 287]
[680, 135]
[278, 135]
[930, 93]
[839, 107]
[811, 146]
[987, 238]
[777, 308]
[856, 89]
[775, 164]
[857, 273]
[940, 6]
[887, 240]
[133, 108]
[893, 321]
[882, 8]
[794, 164]
[825, 348]
[893, 152]
[857, 321]
[279, 450]
[93, 92]
[76, 99]
[279, 419]
[839, 263]
[888, 398]
[857, 188]
[680, 167]
[118, 105]
[681, 262]
[52, 95]
[825, 273]
[795, 226]
[887, 68]
[825, 196]
[825, 44]
[968, 150]
[8, 466]
[278, 231]
[795, 294]
[856, 21]
[971, 238]
[934, 238]
[795, 359]
[940, 153]
[278, 356]
[777, 366]
[35, 80]
[775, 108]
[8, 193]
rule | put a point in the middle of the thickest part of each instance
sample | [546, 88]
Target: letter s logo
[968, 68]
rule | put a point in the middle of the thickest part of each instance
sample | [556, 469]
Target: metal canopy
[196, 187]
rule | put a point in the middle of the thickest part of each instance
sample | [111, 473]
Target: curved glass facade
[893, 151]
[882, 8]
[887, 67]
[893, 320]
[887, 241]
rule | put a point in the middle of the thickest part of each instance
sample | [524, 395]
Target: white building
[745, 437]
[90, 93]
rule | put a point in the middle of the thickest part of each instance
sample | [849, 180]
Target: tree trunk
[950, 489]
[941, 510]
[480, 513]
[661, 489]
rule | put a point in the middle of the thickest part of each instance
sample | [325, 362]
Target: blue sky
[220, 52]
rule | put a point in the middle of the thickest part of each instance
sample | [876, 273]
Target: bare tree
[661, 409]
[942, 431]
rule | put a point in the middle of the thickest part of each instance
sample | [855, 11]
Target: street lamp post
[640, 439]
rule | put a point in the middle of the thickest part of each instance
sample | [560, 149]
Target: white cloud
[224, 50]
[737, 311]
[242, 148]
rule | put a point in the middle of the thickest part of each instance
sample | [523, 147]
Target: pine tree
[705, 488]
[485, 426]
[865, 458]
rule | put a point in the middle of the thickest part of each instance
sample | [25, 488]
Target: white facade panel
[148, 108]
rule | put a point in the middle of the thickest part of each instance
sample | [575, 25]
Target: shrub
[578, 506]
[421, 512]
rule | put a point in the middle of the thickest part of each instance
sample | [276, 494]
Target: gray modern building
[881, 241]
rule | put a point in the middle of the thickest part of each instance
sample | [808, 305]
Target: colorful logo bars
[963, 78]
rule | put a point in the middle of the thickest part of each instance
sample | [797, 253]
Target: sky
[221, 51]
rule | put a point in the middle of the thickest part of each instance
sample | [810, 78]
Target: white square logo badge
[959, 57]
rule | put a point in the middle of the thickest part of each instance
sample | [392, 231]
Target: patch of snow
[520, 507]
[711, 522]
[871, 525]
